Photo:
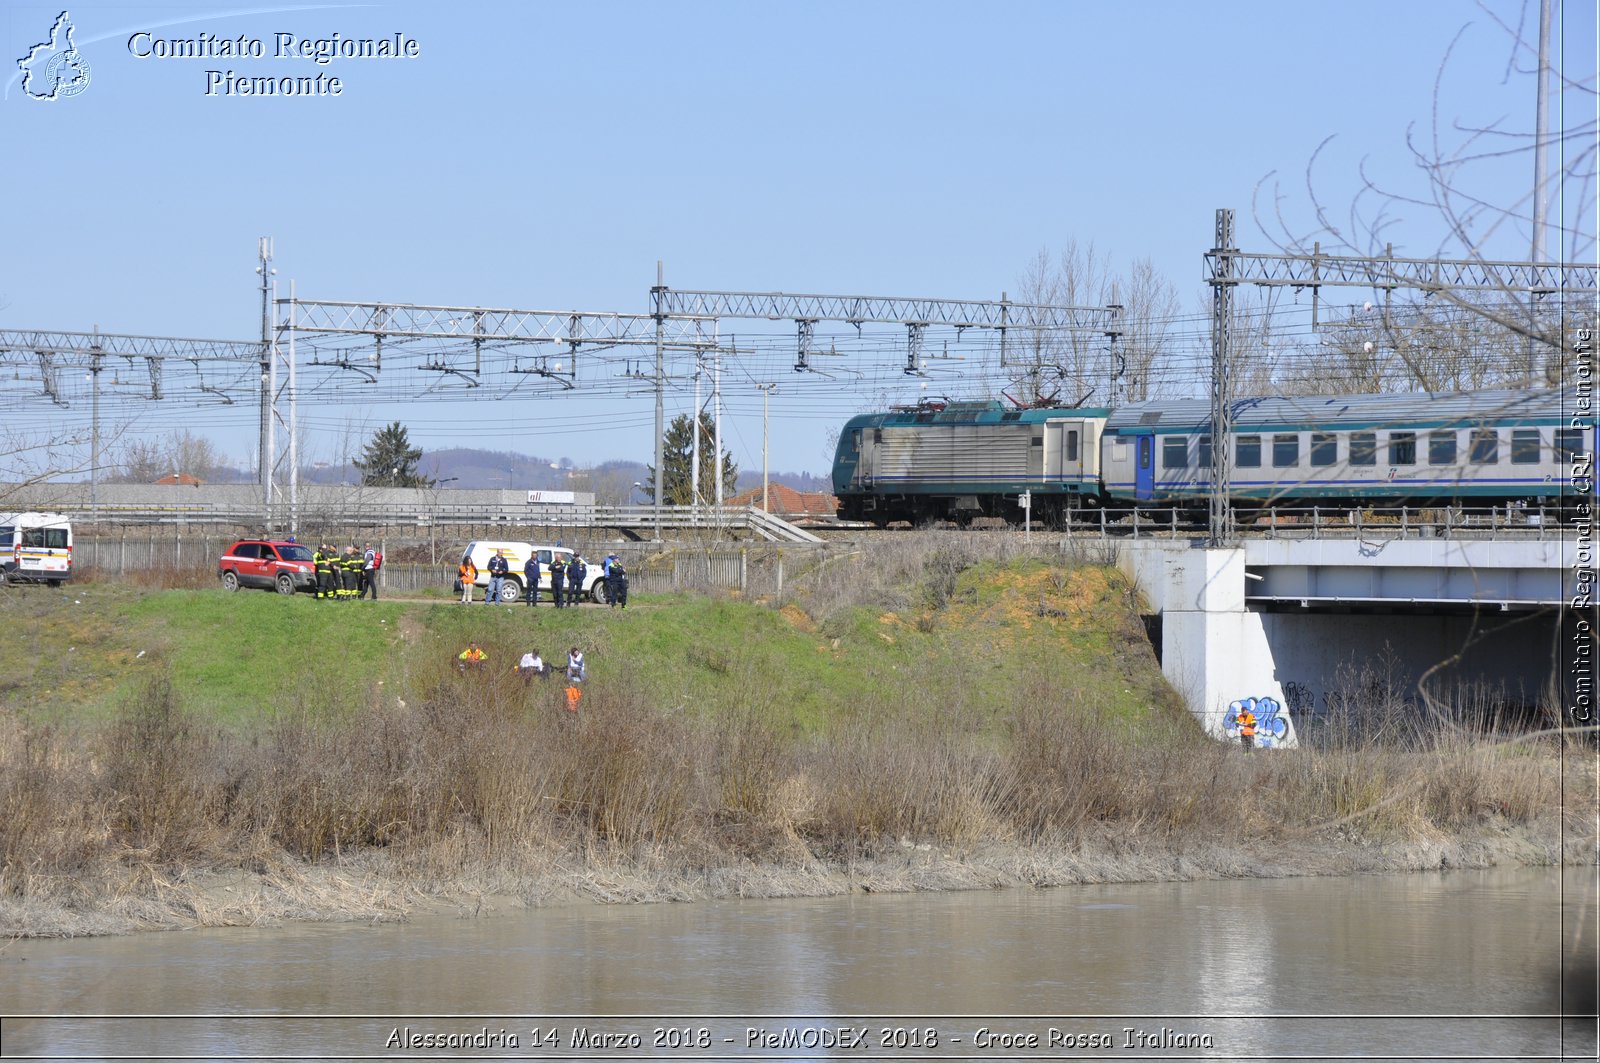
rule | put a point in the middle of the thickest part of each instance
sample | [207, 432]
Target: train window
[855, 440]
[1569, 443]
[1203, 457]
[877, 435]
[1485, 446]
[1247, 452]
[1286, 451]
[1072, 445]
[1363, 448]
[1402, 448]
[1145, 445]
[1324, 449]
[1525, 446]
[1441, 448]
[1175, 452]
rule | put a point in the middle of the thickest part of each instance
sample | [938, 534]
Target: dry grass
[489, 771]
[157, 577]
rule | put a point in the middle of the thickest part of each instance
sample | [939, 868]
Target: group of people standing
[348, 575]
[567, 579]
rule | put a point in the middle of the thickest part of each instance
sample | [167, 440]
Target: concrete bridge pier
[1327, 627]
[1213, 649]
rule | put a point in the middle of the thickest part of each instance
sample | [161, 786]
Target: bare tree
[1150, 305]
[1048, 364]
[1414, 347]
[1464, 216]
[29, 460]
[1044, 363]
[179, 452]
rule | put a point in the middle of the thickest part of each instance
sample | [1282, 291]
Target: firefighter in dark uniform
[323, 560]
[353, 563]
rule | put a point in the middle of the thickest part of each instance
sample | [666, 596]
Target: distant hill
[465, 467]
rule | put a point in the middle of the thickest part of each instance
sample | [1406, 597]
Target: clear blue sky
[544, 156]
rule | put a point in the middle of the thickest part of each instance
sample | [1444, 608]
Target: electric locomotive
[959, 460]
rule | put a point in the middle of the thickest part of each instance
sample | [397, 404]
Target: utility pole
[716, 420]
[766, 394]
[694, 447]
[294, 422]
[658, 296]
[264, 466]
[1222, 284]
[1117, 363]
[94, 430]
[1541, 132]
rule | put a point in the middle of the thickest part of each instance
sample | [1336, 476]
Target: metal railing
[1315, 522]
[363, 514]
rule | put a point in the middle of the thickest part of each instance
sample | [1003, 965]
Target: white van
[516, 557]
[35, 546]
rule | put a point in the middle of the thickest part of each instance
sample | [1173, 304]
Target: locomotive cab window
[1324, 449]
[1402, 448]
[1569, 443]
[1175, 452]
[1441, 448]
[1072, 445]
[1247, 452]
[1525, 446]
[1363, 448]
[1485, 446]
[1286, 451]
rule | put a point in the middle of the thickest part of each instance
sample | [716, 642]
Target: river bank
[375, 887]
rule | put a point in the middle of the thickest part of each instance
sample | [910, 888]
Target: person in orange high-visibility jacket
[471, 657]
[1246, 721]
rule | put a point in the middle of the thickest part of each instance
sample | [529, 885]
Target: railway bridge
[1317, 622]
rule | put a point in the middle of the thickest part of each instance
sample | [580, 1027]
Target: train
[955, 461]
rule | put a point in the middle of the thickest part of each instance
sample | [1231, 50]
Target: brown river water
[1448, 965]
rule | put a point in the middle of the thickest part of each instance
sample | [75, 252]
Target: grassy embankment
[930, 715]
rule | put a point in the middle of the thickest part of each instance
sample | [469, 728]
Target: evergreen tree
[679, 461]
[391, 461]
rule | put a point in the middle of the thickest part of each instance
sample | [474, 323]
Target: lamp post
[766, 393]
